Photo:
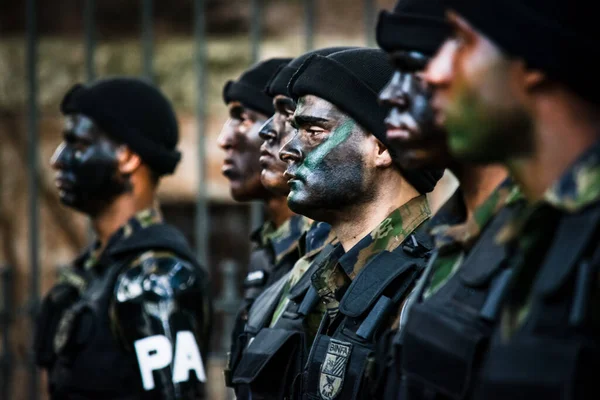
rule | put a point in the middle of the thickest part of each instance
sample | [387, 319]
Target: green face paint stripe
[337, 137]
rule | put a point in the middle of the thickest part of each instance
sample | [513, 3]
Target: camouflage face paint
[480, 132]
[332, 174]
[316, 156]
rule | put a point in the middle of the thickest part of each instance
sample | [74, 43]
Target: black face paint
[326, 168]
[87, 165]
[414, 138]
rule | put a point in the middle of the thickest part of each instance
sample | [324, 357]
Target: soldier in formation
[354, 289]
[129, 318]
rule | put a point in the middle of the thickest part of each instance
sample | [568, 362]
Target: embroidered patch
[333, 369]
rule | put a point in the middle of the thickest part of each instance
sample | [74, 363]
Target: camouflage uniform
[275, 252]
[315, 241]
[529, 234]
[336, 273]
[547, 345]
[466, 271]
[281, 247]
[453, 241]
[362, 290]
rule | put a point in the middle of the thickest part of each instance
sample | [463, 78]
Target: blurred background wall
[46, 46]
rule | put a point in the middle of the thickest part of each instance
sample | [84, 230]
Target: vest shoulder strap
[375, 277]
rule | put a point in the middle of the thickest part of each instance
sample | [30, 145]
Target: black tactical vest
[555, 355]
[274, 356]
[441, 346]
[262, 274]
[339, 357]
[74, 337]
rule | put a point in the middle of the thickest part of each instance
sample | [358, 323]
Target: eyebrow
[285, 102]
[238, 109]
[304, 120]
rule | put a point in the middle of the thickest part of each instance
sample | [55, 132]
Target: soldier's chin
[303, 206]
[76, 203]
[69, 199]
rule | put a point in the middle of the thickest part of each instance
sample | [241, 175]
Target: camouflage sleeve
[161, 313]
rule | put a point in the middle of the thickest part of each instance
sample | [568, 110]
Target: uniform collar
[139, 221]
[576, 189]
[284, 239]
[579, 186]
[316, 238]
[339, 268]
[464, 235]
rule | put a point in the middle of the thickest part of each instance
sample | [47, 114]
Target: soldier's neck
[564, 128]
[356, 222]
[478, 182]
[114, 216]
[277, 210]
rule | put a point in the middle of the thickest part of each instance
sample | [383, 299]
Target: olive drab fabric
[281, 326]
[363, 290]
[547, 344]
[453, 319]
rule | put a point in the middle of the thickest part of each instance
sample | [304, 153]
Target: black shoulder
[159, 274]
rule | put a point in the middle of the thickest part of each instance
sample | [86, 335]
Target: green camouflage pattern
[74, 277]
[323, 236]
[285, 238]
[453, 242]
[140, 220]
[331, 279]
[527, 234]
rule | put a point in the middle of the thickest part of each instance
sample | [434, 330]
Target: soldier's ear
[383, 158]
[128, 161]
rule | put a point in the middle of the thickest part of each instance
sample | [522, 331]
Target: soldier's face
[328, 164]
[479, 97]
[277, 131]
[415, 139]
[241, 143]
[86, 162]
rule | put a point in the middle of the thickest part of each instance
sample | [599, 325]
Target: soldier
[129, 318]
[280, 329]
[466, 259]
[514, 84]
[341, 172]
[276, 242]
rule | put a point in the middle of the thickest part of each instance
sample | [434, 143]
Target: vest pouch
[74, 329]
[235, 356]
[441, 351]
[59, 299]
[271, 362]
[541, 369]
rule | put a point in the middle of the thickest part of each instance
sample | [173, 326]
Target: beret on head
[351, 80]
[414, 25]
[558, 37]
[278, 83]
[248, 89]
[133, 112]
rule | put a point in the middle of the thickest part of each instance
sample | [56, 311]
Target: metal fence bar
[90, 39]
[32, 160]
[256, 208]
[147, 39]
[200, 51]
[89, 27]
[256, 29]
[309, 25]
[6, 365]
[369, 7]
